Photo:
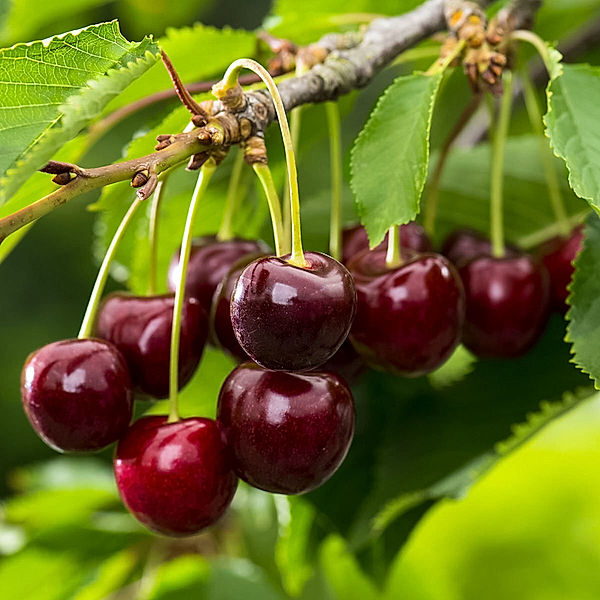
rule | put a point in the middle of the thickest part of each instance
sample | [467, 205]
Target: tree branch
[351, 62]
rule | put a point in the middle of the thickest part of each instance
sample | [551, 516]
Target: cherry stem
[537, 42]
[497, 171]
[89, 318]
[433, 188]
[233, 196]
[295, 127]
[536, 238]
[206, 172]
[230, 80]
[393, 257]
[535, 117]
[335, 152]
[157, 198]
[265, 177]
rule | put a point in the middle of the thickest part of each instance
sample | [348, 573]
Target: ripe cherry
[355, 240]
[287, 432]
[77, 394]
[210, 260]
[464, 244]
[221, 329]
[507, 304]
[409, 318]
[140, 327]
[292, 318]
[174, 477]
[346, 362]
[558, 255]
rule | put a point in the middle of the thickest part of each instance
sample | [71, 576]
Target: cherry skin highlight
[291, 318]
[210, 259]
[77, 394]
[140, 327]
[287, 432]
[221, 329]
[355, 240]
[409, 318]
[464, 244]
[175, 478]
[558, 255]
[507, 305]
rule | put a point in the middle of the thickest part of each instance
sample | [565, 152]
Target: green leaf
[343, 572]
[183, 577]
[458, 366]
[390, 156]
[458, 483]
[52, 89]
[213, 51]
[583, 331]
[573, 126]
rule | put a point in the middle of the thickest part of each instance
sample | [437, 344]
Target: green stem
[538, 237]
[266, 179]
[535, 117]
[157, 198]
[537, 42]
[335, 152]
[496, 217]
[233, 196]
[230, 81]
[295, 127]
[393, 257]
[433, 186]
[89, 318]
[442, 65]
[206, 172]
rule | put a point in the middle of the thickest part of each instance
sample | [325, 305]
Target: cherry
[355, 240]
[77, 394]
[221, 329]
[174, 477]
[287, 432]
[558, 255]
[140, 327]
[507, 304]
[210, 260]
[346, 362]
[409, 318]
[464, 244]
[291, 318]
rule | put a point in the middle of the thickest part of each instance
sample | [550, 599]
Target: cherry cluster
[285, 415]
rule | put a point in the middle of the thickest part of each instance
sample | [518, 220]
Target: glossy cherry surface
[77, 394]
[558, 255]
[140, 327]
[291, 318]
[210, 259]
[221, 328]
[287, 432]
[507, 304]
[409, 319]
[174, 477]
[355, 240]
[465, 244]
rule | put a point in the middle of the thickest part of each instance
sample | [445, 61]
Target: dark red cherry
[558, 255]
[346, 362]
[221, 329]
[464, 244]
[210, 260]
[287, 432]
[140, 327]
[77, 394]
[175, 478]
[507, 304]
[291, 318]
[409, 319]
[355, 240]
